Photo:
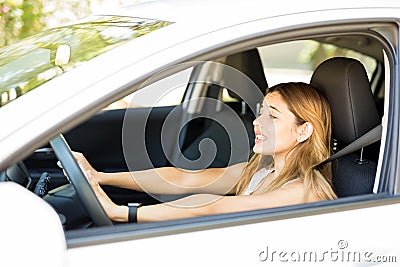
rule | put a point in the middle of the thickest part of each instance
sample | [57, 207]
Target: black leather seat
[229, 139]
[354, 113]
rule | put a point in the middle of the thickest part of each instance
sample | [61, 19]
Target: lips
[259, 137]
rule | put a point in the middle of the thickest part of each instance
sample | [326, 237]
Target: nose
[256, 122]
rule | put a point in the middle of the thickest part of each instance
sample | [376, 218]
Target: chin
[261, 150]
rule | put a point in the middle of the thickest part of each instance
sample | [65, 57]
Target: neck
[279, 162]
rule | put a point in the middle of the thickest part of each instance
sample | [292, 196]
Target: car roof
[227, 12]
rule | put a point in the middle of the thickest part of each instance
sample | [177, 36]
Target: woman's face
[275, 128]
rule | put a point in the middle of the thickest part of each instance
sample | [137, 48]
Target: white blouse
[256, 180]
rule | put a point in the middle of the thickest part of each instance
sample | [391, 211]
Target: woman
[292, 136]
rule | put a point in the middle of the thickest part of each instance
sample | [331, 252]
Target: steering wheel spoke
[79, 181]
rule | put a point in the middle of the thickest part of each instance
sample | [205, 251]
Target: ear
[304, 131]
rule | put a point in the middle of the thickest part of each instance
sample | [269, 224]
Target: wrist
[101, 178]
[133, 212]
[120, 214]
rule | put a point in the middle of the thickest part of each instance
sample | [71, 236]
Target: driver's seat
[354, 113]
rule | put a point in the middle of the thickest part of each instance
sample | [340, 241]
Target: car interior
[223, 124]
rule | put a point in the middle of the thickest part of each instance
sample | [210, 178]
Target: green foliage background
[21, 18]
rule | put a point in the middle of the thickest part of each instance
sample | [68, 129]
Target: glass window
[41, 57]
[165, 92]
[296, 61]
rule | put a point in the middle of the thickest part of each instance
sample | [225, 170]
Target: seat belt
[370, 137]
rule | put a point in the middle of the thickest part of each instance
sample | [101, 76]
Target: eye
[261, 111]
[272, 116]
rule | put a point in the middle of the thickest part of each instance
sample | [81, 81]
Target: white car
[178, 83]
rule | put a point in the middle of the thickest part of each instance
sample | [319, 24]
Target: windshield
[41, 57]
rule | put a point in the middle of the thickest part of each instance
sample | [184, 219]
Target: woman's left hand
[113, 211]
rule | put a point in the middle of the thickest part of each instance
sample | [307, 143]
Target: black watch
[132, 213]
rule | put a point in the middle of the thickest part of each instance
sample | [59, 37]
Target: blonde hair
[307, 104]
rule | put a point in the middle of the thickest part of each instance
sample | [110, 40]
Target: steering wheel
[79, 181]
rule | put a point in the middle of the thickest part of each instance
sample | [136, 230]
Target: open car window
[168, 91]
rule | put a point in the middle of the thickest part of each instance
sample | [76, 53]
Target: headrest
[346, 85]
[249, 63]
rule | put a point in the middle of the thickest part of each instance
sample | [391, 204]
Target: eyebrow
[272, 107]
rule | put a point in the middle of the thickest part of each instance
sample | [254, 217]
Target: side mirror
[30, 229]
[61, 55]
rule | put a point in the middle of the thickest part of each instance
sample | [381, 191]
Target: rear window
[296, 60]
[41, 57]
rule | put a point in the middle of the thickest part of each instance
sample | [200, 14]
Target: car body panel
[47, 241]
[259, 241]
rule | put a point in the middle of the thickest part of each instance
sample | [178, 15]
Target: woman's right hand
[85, 165]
